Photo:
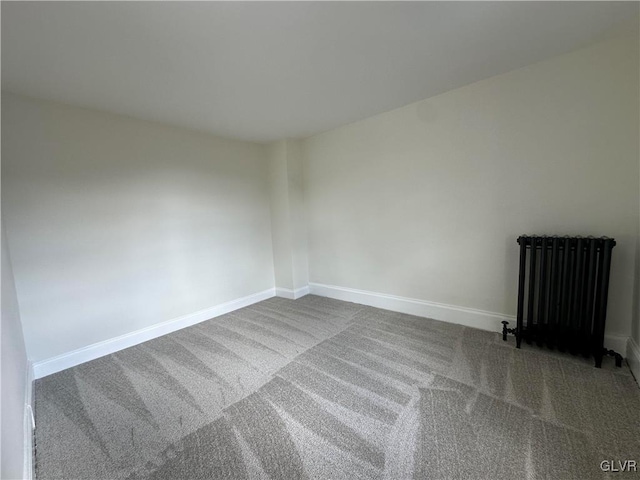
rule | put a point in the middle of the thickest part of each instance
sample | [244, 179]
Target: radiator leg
[599, 360]
[618, 360]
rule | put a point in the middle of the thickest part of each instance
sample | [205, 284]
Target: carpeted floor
[318, 388]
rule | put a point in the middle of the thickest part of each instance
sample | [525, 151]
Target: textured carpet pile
[319, 388]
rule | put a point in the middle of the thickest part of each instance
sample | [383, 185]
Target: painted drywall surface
[632, 350]
[280, 223]
[288, 221]
[636, 318]
[635, 328]
[427, 201]
[116, 224]
[14, 375]
[297, 214]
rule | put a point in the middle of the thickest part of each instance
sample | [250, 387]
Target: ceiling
[263, 71]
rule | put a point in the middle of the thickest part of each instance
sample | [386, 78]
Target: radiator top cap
[533, 238]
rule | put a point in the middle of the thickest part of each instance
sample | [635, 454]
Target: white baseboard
[633, 358]
[469, 317]
[292, 294]
[100, 349]
[28, 424]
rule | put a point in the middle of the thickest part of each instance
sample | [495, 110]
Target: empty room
[320, 240]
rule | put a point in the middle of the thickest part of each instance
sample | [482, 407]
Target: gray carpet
[318, 388]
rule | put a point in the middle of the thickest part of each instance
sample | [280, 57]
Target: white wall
[288, 220]
[280, 215]
[297, 215]
[116, 224]
[427, 201]
[633, 347]
[14, 377]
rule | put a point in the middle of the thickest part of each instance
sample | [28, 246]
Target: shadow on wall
[511, 275]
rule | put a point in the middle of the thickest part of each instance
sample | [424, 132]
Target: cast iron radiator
[562, 294]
